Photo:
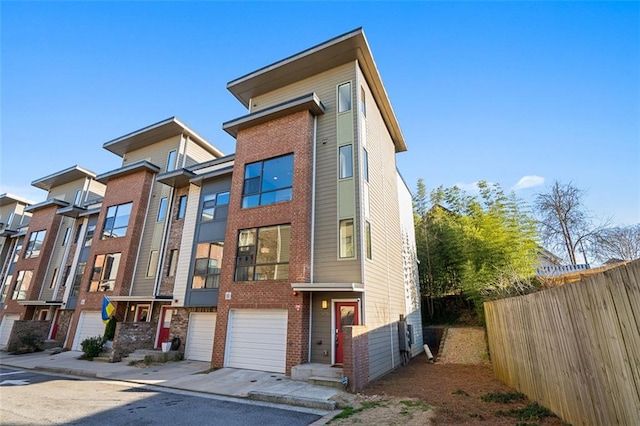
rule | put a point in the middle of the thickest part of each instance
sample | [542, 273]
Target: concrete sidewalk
[194, 376]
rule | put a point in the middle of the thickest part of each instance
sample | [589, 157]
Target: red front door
[165, 325]
[346, 314]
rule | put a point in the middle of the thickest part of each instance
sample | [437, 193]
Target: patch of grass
[350, 411]
[409, 403]
[533, 411]
[459, 392]
[503, 397]
[476, 416]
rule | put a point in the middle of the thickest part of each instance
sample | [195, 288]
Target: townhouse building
[296, 250]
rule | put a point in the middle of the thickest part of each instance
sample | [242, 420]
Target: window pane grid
[268, 182]
[117, 221]
[263, 253]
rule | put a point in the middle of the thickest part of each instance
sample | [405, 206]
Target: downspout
[313, 227]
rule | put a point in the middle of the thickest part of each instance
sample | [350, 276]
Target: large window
[367, 239]
[35, 244]
[53, 279]
[215, 206]
[23, 281]
[346, 161]
[344, 97]
[115, 225]
[173, 263]
[77, 279]
[152, 265]
[268, 182]
[105, 270]
[346, 238]
[206, 273]
[263, 253]
[365, 164]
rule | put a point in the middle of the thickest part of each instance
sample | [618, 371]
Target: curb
[67, 371]
[322, 404]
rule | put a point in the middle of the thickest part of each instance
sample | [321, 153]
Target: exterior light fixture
[325, 304]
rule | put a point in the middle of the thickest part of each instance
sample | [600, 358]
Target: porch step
[326, 381]
[102, 357]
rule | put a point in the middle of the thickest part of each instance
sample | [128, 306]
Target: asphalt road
[32, 398]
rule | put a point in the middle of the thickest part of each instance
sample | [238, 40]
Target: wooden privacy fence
[575, 349]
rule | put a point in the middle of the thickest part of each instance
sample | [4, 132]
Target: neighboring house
[551, 265]
[298, 248]
[13, 222]
[35, 281]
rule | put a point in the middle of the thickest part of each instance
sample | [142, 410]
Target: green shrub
[91, 346]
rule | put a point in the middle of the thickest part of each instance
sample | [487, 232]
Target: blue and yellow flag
[107, 309]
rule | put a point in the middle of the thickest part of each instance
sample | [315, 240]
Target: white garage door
[5, 329]
[257, 339]
[89, 325]
[199, 346]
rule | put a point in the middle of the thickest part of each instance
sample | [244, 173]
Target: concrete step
[102, 357]
[323, 404]
[326, 381]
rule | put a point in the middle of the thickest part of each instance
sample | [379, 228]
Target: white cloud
[528, 182]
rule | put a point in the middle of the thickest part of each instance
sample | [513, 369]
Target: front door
[346, 314]
[142, 313]
[165, 325]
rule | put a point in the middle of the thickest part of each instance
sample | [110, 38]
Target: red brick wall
[135, 187]
[44, 218]
[290, 134]
[173, 242]
[356, 356]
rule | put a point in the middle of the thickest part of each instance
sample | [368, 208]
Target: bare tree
[621, 243]
[564, 221]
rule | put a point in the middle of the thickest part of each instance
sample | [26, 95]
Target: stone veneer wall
[64, 320]
[180, 323]
[129, 337]
[356, 356]
[23, 328]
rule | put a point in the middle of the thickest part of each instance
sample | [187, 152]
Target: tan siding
[186, 246]
[384, 285]
[196, 154]
[56, 258]
[66, 192]
[96, 190]
[156, 154]
[152, 237]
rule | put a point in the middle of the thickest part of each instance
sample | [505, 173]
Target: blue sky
[506, 92]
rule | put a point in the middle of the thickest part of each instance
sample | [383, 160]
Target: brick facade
[134, 187]
[289, 134]
[356, 356]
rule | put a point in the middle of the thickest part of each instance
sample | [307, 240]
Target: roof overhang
[212, 174]
[343, 49]
[7, 199]
[7, 232]
[47, 203]
[353, 287]
[40, 302]
[127, 170]
[71, 211]
[309, 102]
[90, 211]
[63, 177]
[136, 299]
[156, 133]
[176, 178]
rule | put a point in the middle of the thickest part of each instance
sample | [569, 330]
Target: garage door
[5, 329]
[257, 339]
[90, 325]
[199, 346]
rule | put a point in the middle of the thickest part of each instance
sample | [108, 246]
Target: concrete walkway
[193, 376]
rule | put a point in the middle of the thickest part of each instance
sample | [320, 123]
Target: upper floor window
[268, 182]
[365, 164]
[35, 244]
[78, 199]
[367, 239]
[206, 273]
[215, 206]
[105, 270]
[346, 238]
[182, 207]
[65, 239]
[263, 253]
[162, 211]
[344, 97]
[54, 279]
[115, 225]
[23, 281]
[173, 263]
[171, 160]
[363, 102]
[346, 161]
